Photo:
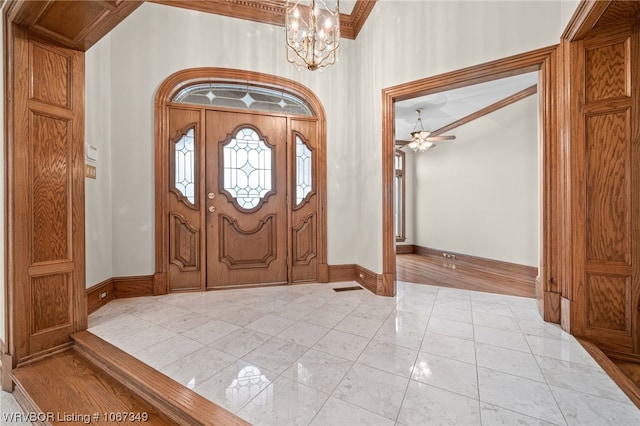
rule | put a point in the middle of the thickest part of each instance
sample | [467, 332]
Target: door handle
[211, 195]
[212, 209]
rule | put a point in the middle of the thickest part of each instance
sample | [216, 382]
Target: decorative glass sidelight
[248, 168]
[184, 158]
[304, 170]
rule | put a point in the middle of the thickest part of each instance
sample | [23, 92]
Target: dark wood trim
[272, 12]
[625, 383]
[621, 356]
[339, 273]
[125, 287]
[405, 248]
[585, 18]
[177, 402]
[94, 301]
[542, 60]
[480, 262]
[488, 109]
[368, 279]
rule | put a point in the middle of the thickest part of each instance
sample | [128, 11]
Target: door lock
[212, 209]
[211, 195]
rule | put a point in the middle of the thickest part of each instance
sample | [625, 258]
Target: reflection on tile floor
[305, 354]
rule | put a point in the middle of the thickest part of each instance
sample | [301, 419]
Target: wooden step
[95, 378]
[169, 397]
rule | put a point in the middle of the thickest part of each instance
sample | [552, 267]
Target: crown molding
[271, 12]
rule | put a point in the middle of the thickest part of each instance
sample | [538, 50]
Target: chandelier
[420, 138]
[313, 33]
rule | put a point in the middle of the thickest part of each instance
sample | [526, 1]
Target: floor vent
[348, 288]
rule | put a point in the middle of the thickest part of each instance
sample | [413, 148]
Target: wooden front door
[246, 198]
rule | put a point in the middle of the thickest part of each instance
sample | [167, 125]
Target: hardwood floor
[416, 268]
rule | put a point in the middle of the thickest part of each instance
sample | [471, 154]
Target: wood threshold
[172, 399]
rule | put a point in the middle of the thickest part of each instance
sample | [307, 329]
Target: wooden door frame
[167, 90]
[545, 61]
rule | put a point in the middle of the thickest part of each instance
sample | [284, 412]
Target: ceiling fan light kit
[421, 140]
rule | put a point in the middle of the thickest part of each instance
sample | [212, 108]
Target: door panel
[606, 155]
[186, 243]
[304, 201]
[246, 202]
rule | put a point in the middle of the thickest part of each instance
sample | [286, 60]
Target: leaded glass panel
[230, 95]
[304, 170]
[184, 158]
[247, 168]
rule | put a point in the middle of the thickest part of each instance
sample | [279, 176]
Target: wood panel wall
[45, 185]
[605, 177]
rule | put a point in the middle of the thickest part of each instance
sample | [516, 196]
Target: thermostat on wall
[91, 153]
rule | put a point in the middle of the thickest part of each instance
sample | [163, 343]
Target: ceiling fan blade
[441, 138]
[400, 142]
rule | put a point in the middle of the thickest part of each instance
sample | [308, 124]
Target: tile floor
[309, 355]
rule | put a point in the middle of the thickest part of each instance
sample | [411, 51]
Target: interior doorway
[542, 60]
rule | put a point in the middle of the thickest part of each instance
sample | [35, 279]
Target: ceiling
[443, 108]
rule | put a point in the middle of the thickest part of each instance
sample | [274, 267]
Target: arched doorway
[240, 181]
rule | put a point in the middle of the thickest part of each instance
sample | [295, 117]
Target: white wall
[98, 192]
[407, 40]
[156, 41]
[478, 195]
[401, 41]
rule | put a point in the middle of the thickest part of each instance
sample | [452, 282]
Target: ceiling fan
[422, 140]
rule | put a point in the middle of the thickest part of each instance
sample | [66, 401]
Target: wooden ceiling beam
[488, 109]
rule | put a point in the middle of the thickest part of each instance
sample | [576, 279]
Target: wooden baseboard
[99, 295]
[405, 249]
[5, 373]
[125, 287]
[622, 356]
[339, 273]
[480, 262]
[368, 279]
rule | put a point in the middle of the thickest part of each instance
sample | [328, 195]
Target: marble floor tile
[389, 357]
[342, 344]
[449, 347]
[581, 409]
[303, 333]
[446, 373]
[359, 326]
[518, 394]
[565, 349]
[337, 412]
[406, 336]
[505, 339]
[270, 324]
[284, 402]
[496, 321]
[210, 331]
[319, 370]
[496, 416]
[275, 354]
[427, 405]
[11, 413]
[581, 378]
[167, 351]
[234, 386]
[305, 354]
[372, 389]
[324, 318]
[450, 328]
[193, 369]
[240, 342]
[509, 361]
